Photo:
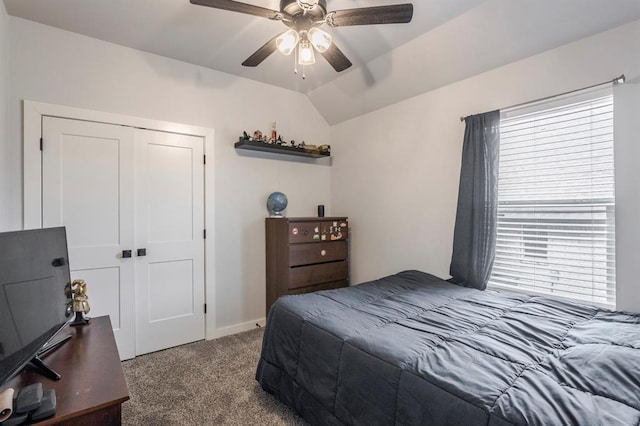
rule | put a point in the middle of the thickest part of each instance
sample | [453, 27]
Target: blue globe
[276, 203]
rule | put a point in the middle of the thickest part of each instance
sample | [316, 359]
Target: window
[556, 204]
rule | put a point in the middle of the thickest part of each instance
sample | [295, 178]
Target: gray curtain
[474, 240]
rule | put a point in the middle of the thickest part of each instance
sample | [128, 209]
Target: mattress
[412, 349]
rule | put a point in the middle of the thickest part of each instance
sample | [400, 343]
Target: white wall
[4, 99]
[396, 170]
[54, 66]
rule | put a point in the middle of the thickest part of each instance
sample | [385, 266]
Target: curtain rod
[615, 82]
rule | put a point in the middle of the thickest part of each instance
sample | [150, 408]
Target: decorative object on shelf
[274, 133]
[281, 147]
[276, 204]
[257, 135]
[80, 302]
[320, 210]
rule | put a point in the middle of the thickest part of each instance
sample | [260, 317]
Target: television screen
[34, 306]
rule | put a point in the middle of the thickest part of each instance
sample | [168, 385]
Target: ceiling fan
[304, 17]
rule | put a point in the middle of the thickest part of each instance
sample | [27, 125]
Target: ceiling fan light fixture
[287, 41]
[305, 53]
[321, 40]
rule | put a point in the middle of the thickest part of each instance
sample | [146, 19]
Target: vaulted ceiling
[446, 41]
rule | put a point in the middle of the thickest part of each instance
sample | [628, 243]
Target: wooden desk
[92, 387]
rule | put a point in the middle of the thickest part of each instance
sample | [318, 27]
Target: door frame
[33, 112]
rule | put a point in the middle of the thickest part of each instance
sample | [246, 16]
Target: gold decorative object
[80, 302]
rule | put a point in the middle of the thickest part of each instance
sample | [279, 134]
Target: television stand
[43, 368]
[92, 388]
[42, 352]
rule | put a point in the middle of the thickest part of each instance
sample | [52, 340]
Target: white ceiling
[489, 33]
[221, 39]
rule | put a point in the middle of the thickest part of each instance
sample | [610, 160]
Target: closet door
[169, 228]
[88, 187]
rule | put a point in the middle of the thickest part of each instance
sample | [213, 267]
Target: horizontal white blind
[556, 201]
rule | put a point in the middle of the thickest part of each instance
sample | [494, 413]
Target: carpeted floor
[203, 383]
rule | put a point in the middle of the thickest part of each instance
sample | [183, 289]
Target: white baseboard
[238, 328]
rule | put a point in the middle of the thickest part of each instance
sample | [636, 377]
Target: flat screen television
[35, 300]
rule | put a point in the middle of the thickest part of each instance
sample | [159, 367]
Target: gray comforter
[412, 349]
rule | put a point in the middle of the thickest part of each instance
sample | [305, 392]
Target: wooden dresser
[306, 254]
[92, 388]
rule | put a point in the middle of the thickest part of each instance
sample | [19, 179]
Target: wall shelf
[280, 149]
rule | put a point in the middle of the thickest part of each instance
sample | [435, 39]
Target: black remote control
[47, 408]
[29, 398]
[16, 419]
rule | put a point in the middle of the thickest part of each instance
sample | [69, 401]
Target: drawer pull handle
[323, 253]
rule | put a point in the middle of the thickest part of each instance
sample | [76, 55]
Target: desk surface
[92, 377]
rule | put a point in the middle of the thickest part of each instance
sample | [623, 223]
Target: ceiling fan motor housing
[300, 19]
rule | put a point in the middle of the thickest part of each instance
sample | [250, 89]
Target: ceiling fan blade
[236, 6]
[261, 54]
[336, 58]
[391, 14]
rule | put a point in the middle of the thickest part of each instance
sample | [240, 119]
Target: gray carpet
[203, 383]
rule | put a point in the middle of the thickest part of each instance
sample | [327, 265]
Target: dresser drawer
[304, 232]
[320, 231]
[303, 276]
[307, 254]
[319, 287]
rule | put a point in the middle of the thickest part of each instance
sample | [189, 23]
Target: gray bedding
[412, 349]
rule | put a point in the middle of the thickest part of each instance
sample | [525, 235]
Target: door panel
[170, 192]
[166, 300]
[169, 224]
[88, 187]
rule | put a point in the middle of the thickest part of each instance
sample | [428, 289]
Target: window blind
[556, 200]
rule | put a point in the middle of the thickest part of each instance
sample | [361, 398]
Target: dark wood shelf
[279, 149]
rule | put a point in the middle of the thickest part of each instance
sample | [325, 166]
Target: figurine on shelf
[80, 302]
[293, 143]
[279, 141]
[245, 136]
[274, 133]
[325, 149]
[257, 136]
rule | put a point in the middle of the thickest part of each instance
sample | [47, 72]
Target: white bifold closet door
[118, 189]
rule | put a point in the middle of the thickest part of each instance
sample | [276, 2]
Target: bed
[412, 349]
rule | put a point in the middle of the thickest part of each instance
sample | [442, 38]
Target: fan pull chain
[295, 65]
